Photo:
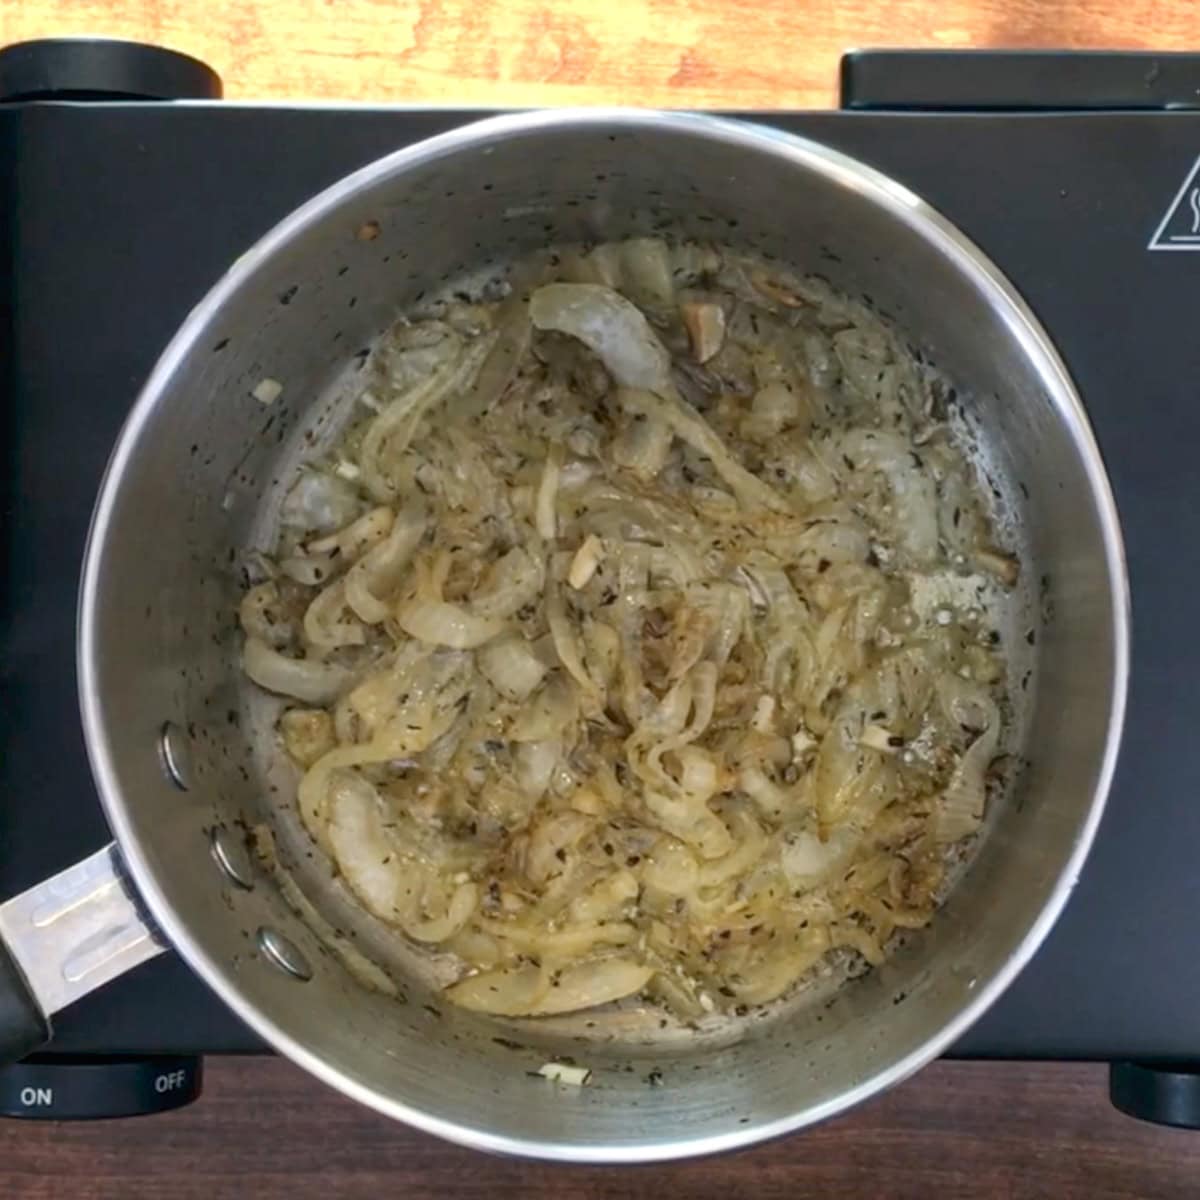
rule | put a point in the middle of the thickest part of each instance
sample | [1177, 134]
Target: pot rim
[923, 221]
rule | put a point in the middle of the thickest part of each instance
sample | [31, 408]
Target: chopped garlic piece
[764, 714]
[758, 597]
[879, 738]
[1003, 566]
[587, 559]
[705, 323]
[544, 514]
[774, 290]
[588, 800]
[802, 741]
[565, 1073]
[267, 391]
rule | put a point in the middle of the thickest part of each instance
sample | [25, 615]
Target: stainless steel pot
[173, 741]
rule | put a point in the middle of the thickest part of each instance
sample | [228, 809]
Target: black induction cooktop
[1079, 175]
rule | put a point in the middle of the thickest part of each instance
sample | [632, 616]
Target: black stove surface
[115, 219]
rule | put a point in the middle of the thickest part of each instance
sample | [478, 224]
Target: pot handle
[63, 938]
[23, 1026]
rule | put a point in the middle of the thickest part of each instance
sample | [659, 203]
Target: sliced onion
[610, 326]
[512, 581]
[438, 623]
[692, 428]
[671, 868]
[458, 911]
[590, 985]
[566, 642]
[962, 804]
[642, 447]
[692, 261]
[379, 572]
[500, 367]
[573, 942]
[693, 823]
[781, 968]
[311, 570]
[390, 432]
[646, 273]
[773, 801]
[773, 408]
[804, 472]
[366, 856]
[510, 665]
[303, 679]
[534, 766]
[698, 774]
[434, 685]
[548, 714]
[863, 354]
[319, 503]
[749, 845]
[808, 861]
[551, 841]
[326, 625]
[504, 991]
[603, 653]
[356, 538]
[607, 898]
[830, 543]
[261, 615]
[913, 494]
[413, 352]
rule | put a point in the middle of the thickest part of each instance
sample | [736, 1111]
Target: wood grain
[263, 1130]
[676, 53]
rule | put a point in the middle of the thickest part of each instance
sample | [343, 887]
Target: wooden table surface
[265, 1130]
[677, 53]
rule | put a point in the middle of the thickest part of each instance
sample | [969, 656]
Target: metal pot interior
[201, 458]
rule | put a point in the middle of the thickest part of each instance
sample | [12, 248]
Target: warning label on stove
[1180, 227]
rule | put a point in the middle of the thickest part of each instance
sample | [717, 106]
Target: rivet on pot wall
[175, 753]
[229, 853]
[283, 953]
